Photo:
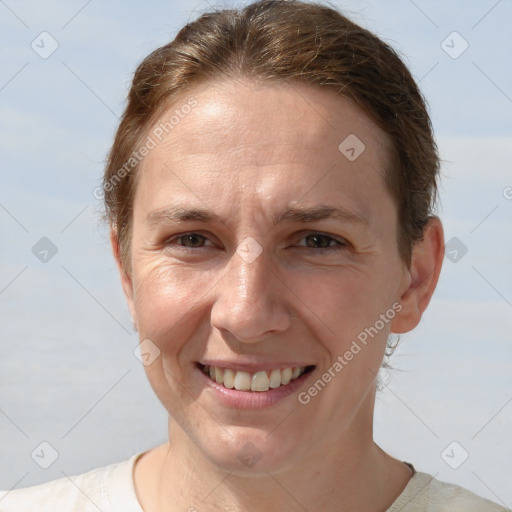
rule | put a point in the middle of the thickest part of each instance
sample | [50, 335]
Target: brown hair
[284, 41]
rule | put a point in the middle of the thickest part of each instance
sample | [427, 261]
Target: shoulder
[109, 489]
[424, 493]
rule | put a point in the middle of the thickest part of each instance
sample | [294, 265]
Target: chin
[251, 452]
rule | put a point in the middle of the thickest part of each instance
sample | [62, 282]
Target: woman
[270, 193]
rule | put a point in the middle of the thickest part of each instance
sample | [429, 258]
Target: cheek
[168, 303]
[170, 310]
[343, 301]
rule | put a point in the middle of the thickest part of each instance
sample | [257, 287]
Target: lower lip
[252, 399]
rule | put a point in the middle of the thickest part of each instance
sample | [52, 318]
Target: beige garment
[111, 489]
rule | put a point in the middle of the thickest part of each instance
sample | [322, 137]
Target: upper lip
[253, 367]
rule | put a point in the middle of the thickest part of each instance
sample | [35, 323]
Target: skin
[247, 152]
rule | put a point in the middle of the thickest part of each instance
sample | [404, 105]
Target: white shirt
[111, 489]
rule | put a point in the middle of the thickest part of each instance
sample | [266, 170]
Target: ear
[126, 279]
[421, 279]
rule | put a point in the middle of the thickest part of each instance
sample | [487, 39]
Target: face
[259, 244]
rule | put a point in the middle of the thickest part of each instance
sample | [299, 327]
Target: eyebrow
[291, 214]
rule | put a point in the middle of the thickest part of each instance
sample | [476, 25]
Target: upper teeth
[259, 381]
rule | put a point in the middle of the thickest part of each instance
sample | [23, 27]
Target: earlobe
[126, 280]
[422, 278]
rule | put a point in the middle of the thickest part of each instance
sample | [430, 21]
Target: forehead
[276, 142]
[243, 116]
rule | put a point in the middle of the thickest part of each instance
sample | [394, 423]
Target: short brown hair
[285, 41]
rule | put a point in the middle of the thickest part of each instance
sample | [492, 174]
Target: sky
[69, 375]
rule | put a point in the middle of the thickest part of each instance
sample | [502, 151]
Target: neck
[346, 473]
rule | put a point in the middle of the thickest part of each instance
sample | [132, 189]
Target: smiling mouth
[259, 381]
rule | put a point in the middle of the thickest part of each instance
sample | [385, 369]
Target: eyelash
[340, 245]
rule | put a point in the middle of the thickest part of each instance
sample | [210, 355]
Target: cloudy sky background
[68, 375]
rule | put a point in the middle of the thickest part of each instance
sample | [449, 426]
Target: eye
[188, 240]
[315, 241]
[323, 242]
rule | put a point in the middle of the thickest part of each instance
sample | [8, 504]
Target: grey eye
[192, 240]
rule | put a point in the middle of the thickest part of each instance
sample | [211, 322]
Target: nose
[251, 300]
